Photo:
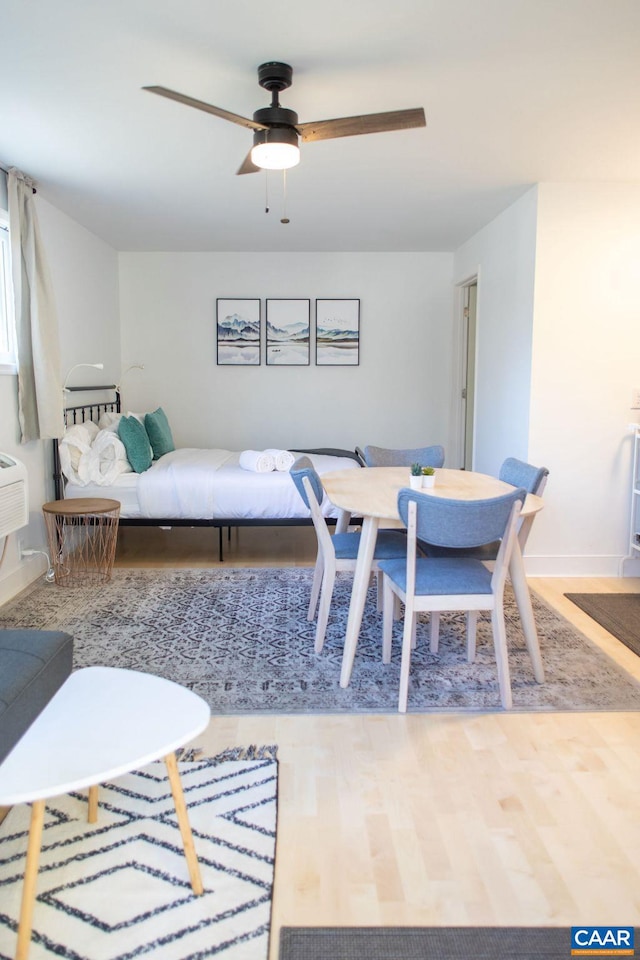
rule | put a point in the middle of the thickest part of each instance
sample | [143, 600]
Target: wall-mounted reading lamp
[98, 366]
[134, 366]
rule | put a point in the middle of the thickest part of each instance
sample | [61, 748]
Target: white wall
[503, 255]
[558, 355]
[84, 273]
[586, 360]
[85, 277]
[399, 395]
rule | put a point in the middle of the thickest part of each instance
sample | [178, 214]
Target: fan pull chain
[284, 218]
[266, 191]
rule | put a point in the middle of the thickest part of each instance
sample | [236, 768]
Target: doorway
[469, 336]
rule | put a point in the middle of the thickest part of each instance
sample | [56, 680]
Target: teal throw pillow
[159, 432]
[136, 443]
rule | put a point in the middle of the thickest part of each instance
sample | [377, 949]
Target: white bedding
[195, 484]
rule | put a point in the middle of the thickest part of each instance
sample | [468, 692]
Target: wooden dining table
[372, 493]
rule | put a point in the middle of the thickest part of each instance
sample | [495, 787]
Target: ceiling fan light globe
[275, 156]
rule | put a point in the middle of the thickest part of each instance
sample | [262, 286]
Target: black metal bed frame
[80, 413]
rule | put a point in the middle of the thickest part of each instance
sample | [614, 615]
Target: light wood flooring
[498, 819]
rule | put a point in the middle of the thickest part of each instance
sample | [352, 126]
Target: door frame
[458, 403]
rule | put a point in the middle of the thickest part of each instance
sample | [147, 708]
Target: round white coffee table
[101, 723]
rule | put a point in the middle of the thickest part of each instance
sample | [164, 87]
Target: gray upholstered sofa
[33, 665]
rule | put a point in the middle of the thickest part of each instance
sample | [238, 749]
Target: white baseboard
[20, 578]
[580, 567]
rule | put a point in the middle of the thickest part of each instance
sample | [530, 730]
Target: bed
[196, 487]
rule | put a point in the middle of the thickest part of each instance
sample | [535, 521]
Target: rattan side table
[82, 535]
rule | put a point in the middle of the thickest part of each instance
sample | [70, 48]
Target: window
[8, 359]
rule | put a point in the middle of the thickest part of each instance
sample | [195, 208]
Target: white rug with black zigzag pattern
[119, 888]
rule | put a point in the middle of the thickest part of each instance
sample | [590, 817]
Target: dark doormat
[425, 943]
[619, 613]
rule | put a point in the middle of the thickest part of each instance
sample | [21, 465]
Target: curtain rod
[4, 169]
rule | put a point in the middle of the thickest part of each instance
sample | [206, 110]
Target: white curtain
[39, 388]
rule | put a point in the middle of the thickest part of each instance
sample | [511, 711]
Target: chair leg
[388, 605]
[502, 661]
[397, 607]
[523, 600]
[379, 587]
[315, 587]
[472, 625]
[326, 594]
[414, 630]
[409, 628]
[434, 631]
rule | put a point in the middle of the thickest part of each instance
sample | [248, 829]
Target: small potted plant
[428, 476]
[416, 476]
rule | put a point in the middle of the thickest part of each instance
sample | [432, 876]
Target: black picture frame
[338, 332]
[238, 331]
[288, 332]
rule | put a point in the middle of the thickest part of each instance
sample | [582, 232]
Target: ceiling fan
[276, 129]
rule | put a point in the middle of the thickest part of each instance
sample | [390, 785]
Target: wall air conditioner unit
[14, 495]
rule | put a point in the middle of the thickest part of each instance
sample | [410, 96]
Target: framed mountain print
[337, 332]
[288, 326]
[238, 326]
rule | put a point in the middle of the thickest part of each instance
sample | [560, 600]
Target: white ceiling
[515, 92]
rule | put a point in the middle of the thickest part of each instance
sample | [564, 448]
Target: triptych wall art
[288, 332]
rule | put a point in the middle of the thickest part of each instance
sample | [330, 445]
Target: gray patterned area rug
[240, 639]
[119, 888]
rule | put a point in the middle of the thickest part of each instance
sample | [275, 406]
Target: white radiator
[14, 495]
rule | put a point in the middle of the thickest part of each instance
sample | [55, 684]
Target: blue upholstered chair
[532, 479]
[521, 474]
[451, 583]
[384, 457]
[518, 474]
[337, 552]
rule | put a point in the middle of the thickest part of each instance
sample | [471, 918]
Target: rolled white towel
[257, 460]
[283, 458]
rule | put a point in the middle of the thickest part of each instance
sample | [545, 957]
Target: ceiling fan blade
[207, 107]
[366, 123]
[247, 166]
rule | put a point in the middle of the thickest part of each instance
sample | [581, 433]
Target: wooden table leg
[343, 521]
[30, 880]
[92, 816]
[183, 823]
[361, 577]
[525, 609]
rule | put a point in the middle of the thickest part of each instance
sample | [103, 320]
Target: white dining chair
[435, 584]
[519, 474]
[335, 553]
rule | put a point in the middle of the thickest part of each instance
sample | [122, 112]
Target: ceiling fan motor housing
[274, 77]
[281, 123]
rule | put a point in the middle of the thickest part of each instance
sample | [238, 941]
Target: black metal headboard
[80, 413]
